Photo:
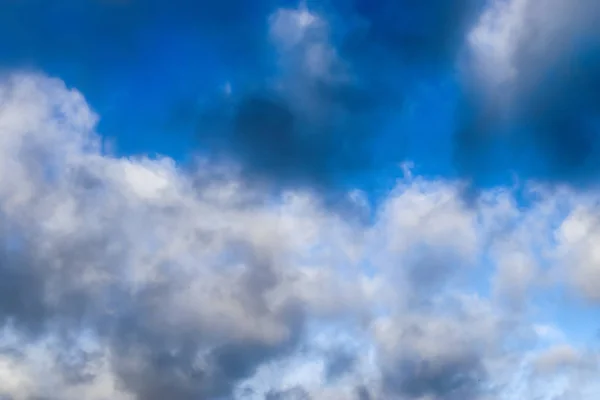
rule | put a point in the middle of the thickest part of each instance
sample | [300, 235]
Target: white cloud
[578, 252]
[303, 41]
[517, 40]
[191, 285]
[495, 39]
[558, 357]
[32, 372]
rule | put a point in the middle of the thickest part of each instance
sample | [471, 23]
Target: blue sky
[151, 71]
[336, 199]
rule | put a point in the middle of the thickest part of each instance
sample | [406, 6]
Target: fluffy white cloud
[130, 278]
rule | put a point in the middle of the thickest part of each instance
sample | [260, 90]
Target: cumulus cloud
[134, 278]
[437, 356]
[191, 287]
[130, 278]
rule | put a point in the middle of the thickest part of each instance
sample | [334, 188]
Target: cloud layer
[130, 278]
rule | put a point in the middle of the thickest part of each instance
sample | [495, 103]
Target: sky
[299, 200]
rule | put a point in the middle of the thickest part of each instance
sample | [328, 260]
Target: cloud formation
[129, 278]
[134, 277]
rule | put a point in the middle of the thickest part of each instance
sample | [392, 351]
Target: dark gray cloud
[416, 379]
[438, 355]
[296, 393]
[277, 144]
[362, 393]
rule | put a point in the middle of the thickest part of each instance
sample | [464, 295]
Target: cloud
[296, 393]
[132, 278]
[341, 74]
[576, 237]
[558, 357]
[532, 79]
[307, 124]
[187, 299]
[317, 86]
[295, 101]
[437, 356]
